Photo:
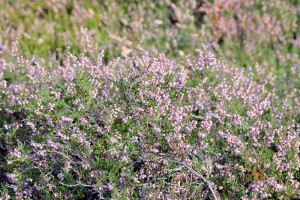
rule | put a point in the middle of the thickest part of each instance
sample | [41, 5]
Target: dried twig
[200, 176]
[75, 185]
[197, 174]
[197, 117]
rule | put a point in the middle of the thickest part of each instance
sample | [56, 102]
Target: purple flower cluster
[147, 126]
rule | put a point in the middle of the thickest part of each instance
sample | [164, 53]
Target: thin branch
[202, 177]
[197, 117]
[75, 185]
[195, 173]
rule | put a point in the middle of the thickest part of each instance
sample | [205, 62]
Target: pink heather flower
[134, 139]
[141, 136]
[68, 74]
[267, 165]
[77, 101]
[252, 160]
[12, 177]
[62, 136]
[121, 180]
[113, 140]
[237, 121]
[55, 94]
[251, 114]
[2, 48]
[9, 162]
[41, 153]
[9, 111]
[149, 195]
[31, 125]
[66, 119]
[206, 124]
[53, 144]
[15, 153]
[154, 150]
[177, 129]
[142, 176]
[60, 175]
[203, 145]
[201, 135]
[109, 187]
[51, 186]
[156, 129]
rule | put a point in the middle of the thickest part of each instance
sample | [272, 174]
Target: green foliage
[95, 125]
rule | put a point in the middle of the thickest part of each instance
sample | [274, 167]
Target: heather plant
[46, 27]
[145, 127]
[172, 122]
[246, 31]
[242, 32]
[255, 31]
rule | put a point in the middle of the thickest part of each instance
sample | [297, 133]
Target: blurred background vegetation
[245, 33]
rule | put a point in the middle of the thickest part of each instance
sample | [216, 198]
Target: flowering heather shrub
[245, 32]
[121, 26]
[259, 29]
[174, 24]
[145, 127]
[272, 23]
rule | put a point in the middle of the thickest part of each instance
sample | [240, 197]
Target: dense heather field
[114, 99]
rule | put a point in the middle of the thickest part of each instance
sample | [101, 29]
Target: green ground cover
[113, 99]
